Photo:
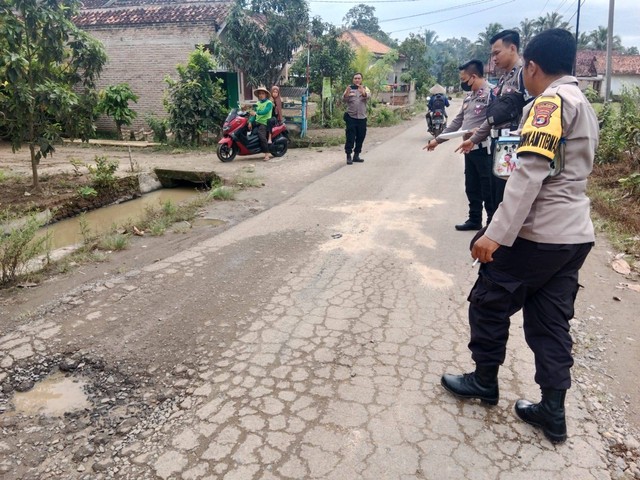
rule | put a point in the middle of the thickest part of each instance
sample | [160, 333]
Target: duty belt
[500, 132]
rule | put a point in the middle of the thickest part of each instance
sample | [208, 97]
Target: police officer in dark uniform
[477, 162]
[538, 240]
[504, 50]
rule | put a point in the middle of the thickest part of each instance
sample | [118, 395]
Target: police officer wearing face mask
[540, 236]
[477, 162]
[504, 51]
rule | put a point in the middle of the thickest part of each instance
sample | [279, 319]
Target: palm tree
[599, 39]
[584, 41]
[430, 37]
[482, 47]
[550, 20]
[527, 30]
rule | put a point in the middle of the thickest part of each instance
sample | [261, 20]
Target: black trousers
[542, 280]
[477, 184]
[356, 130]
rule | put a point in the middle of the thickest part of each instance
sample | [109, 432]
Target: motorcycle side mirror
[428, 98]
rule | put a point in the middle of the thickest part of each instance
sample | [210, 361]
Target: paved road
[308, 342]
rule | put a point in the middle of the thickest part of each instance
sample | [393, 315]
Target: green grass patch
[222, 192]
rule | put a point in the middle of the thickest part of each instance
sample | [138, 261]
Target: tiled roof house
[591, 68]
[403, 93]
[146, 39]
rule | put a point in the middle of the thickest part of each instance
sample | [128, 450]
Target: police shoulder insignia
[542, 131]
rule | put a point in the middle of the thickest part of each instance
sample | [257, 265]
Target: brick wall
[142, 57]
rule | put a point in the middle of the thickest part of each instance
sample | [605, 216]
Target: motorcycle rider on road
[437, 102]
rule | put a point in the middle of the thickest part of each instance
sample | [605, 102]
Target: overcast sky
[467, 18]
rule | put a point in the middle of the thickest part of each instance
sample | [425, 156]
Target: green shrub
[86, 192]
[383, 117]
[114, 102]
[19, 245]
[592, 95]
[222, 193]
[114, 241]
[619, 131]
[159, 127]
[103, 174]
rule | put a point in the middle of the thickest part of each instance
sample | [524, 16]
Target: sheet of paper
[450, 135]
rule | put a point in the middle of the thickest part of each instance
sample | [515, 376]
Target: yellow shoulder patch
[542, 131]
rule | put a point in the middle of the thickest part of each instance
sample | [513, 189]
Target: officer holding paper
[477, 162]
[539, 238]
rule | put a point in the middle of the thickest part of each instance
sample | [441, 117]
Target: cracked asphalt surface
[306, 342]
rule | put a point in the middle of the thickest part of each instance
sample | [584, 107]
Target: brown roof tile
[215, 13]
[357, 39]
[90, 4]
[590, 63]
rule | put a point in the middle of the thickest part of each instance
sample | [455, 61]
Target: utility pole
[609, 52]
[577, 35]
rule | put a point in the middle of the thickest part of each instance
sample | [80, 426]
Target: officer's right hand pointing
[431, 145]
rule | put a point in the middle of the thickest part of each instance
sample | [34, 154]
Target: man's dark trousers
[356, 130]
[477, 184]
[542, 280]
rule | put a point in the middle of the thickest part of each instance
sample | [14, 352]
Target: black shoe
[481, 384]
[356, 158]
[349, 161]
[547, 415]
[468, 225]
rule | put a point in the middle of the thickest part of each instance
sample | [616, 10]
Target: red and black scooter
[237, 140]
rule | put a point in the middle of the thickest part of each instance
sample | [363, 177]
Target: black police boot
[469, 225]
[356, 158]
[547, 415]
[481, 384]
[349, 161]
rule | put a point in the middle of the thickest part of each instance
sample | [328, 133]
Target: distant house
[591, 69]
[397, 92]
[146, 39]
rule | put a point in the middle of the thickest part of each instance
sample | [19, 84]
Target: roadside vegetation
[25, 249]
[615, 182]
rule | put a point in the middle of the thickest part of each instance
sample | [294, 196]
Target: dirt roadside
[607, 356]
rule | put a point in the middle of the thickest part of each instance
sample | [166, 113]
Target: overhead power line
[452, 18]
[478, 2]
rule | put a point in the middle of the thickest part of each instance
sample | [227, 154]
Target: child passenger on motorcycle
[260, 116]
[276, 118]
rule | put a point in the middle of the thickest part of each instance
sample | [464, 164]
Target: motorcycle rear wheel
[226, 153]
[279, 149]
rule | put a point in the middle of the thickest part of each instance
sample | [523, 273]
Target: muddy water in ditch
[53, 396]
[67, 232]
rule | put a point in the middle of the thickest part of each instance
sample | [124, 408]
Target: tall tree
[598, 40]
[363, 17]
[195, 102]
[551, 20]
[261, 36]
[482, 47]
[414, 50]
[51, 67]
[430, 38]
[328, 57]
[584, 41]
[446, 56]
[527, 30]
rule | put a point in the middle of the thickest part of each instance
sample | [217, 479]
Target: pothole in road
[54, 396]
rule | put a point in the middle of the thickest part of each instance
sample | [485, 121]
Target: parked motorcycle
[238, 140]
[436, 122]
